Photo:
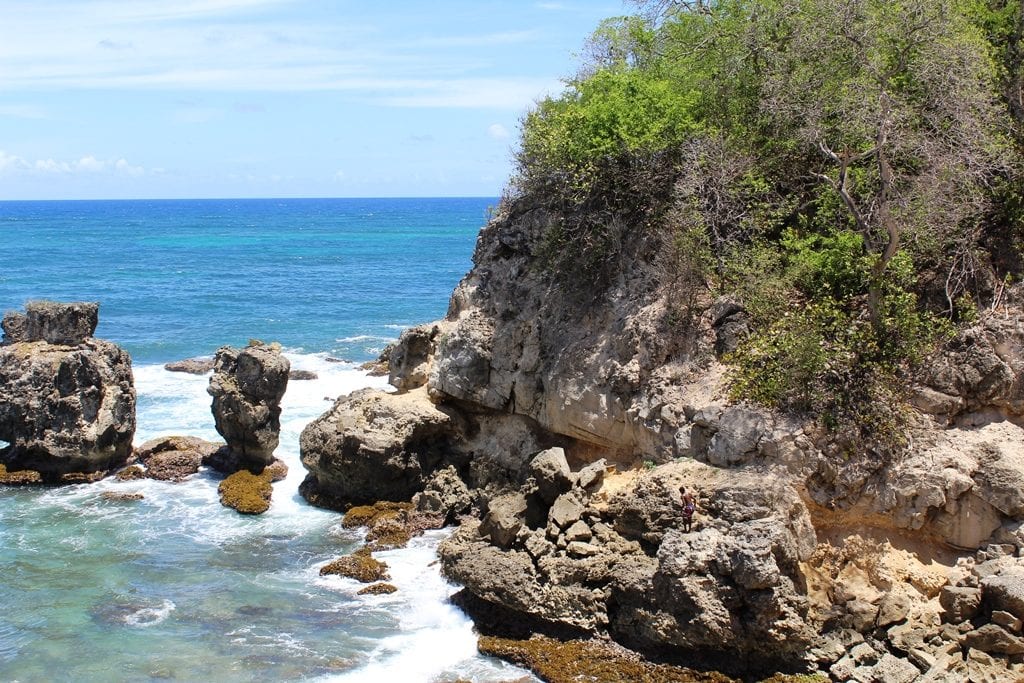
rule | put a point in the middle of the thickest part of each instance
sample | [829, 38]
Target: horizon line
[220, 199]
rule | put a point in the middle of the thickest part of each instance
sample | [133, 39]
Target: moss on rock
[378, 589]
[360, 566]
[131, 473]
[368, 515]
[19, 477]
[570, 661]
[246, 492]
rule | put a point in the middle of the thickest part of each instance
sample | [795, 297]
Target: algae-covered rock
[378, 589]
[246, 492]
[360, 566]
[19, 477]
[588, 660]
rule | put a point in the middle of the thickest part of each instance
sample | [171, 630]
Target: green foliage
[831, 164]
[615, 111]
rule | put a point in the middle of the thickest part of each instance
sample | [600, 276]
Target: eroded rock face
[247, 386]
[732, 584]
[68, 399]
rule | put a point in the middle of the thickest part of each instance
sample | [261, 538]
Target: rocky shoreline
[558, 430]
[557, 436]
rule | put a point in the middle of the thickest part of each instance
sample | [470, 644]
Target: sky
[123, 99]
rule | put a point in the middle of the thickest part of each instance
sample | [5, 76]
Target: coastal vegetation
[846, 170]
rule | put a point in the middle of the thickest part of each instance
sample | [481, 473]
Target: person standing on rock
[689, 507]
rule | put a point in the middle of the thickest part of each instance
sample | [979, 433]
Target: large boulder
[68, 400]
[372, 446]
[247, 386]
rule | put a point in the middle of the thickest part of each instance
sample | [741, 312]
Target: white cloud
[122, 166]
[89, 164]
[10, 161]
[498, 131]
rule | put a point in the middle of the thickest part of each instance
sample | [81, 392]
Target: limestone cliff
[806, 554]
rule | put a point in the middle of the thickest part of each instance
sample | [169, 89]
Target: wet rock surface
[68, 403]
[173, 458]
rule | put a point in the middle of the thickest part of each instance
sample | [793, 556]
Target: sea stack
[247, 386]
[67, 407]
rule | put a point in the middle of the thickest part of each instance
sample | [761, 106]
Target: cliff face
[796, 536]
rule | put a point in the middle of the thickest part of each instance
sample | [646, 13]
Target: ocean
[174, 586]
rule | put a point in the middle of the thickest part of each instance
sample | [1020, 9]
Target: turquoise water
[174, 586]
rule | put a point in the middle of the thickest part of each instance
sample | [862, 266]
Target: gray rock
[960, 603]
[373, 445]
[843, 669]
[1007, 621]
[581, 549]
[444, 494]
[862, 614]
[409, 360]
[591, 477]
[302, 375]
[65, 409]
[247, 386]
[552, 474]
[192, 366]
[15, 327]
[893, 609]
[505, 517]
[1005, 592]
[994, 640]
[65, 324]
[890, 669]
[579, 531]
[566, 510]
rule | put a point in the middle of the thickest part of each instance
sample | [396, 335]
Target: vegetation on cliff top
[847, 169]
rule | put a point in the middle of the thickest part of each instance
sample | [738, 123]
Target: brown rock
[360, 566]
[378, 589]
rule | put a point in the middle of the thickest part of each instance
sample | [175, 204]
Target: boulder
[173, 458]
[551, 471]
[360, 566]
[302, 375]
[994, 639]
[247, 386]
[409, 360]
[372, 445]
[444, 494]
[68, 405]
[1005, 592]
[960, 603]
[505, 517]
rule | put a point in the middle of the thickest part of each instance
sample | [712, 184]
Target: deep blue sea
[174, 586]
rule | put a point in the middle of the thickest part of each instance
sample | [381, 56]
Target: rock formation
[807, 555]
[173, 458]
[67, 408]
[247, 386]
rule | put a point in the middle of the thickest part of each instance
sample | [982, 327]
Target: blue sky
[275, 98]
